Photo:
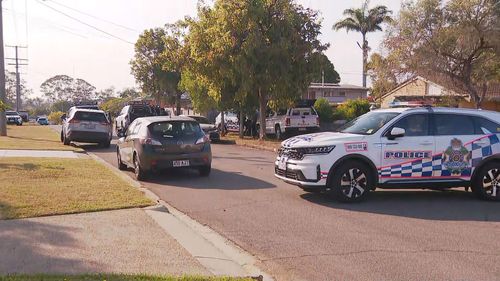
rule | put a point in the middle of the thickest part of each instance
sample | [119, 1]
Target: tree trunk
[178, 104]
[242, 124]
[365, 58]
[222, 124]
[262, 114]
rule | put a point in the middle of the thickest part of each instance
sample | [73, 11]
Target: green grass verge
[31, 187]
[33, 137]
[114, 277]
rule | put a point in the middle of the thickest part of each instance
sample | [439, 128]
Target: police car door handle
[380, 144]
[427, 143]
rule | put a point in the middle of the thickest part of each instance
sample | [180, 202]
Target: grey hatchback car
[161, 142]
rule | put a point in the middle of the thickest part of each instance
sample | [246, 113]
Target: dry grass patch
[116, 277]
[33, 137]
[267, 144]
[31, 187]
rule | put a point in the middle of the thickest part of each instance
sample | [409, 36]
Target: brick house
[420, 89]
[335, 93]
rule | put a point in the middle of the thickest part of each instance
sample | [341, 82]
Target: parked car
[292, 121]
[398, 148]
[207, 127]
[86, 125]
[24, 115]
[129, 113]
[42, 121]
[230, 121]
[13, 118]
[161, 142]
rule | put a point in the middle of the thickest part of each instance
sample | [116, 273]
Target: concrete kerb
[236, 254]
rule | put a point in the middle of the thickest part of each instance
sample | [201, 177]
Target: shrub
[324, 110]
[55, 117]
[353, 108]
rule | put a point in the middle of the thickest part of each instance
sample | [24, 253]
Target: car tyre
[279, 134]
[121, 165]
[62, 137]
[140, 173]
[205, 170]
[106, 144]
[351, 182]
[66, 141]
[486, 183]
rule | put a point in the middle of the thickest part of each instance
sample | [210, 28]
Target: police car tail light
[317, 121]
[316, 150]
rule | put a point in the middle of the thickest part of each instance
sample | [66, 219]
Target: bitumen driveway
[394, 235]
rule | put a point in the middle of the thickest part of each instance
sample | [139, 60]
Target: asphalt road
[394, 235]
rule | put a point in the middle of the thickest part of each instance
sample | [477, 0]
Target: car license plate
[89, 126]
[302, 129]
[282, 163]
[180, 163]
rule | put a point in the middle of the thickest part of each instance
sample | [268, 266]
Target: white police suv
[398, 148]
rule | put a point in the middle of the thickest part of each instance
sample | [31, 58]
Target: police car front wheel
[486, 184]
[351, 182]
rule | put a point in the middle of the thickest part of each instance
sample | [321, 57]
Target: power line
[15, 22]
[94, 17]
[49, 23]
[84, 23]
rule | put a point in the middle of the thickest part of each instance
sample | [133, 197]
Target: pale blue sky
[59, 45]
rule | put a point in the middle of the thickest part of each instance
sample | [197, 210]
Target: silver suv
[86, 125]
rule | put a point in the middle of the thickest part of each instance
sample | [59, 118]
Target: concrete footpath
[38, 153]
[153, 240]
[124, 241]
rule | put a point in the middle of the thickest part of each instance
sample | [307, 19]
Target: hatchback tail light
[317, 121]
[149, 141]
[204, 139]
[287, 121]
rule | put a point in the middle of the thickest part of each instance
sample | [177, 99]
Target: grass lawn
[104, 277]
[31, 187]
[34, 137]
[267, 144]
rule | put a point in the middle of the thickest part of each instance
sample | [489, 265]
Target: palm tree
[364, 20]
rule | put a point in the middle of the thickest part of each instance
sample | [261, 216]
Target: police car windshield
[368, 123]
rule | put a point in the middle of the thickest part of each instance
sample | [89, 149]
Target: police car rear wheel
[351, 182]
[487, 182]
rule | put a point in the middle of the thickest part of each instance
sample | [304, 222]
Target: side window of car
[136, 129]
[415, 125]
[130, 129]
[485, 126]
[453, 125]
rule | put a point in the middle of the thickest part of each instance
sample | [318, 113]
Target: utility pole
[18, 79]
[3, 120]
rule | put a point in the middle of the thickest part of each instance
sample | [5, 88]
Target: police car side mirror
[396, 133]
[63, 116]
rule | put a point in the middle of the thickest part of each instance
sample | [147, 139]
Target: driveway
[394, 235]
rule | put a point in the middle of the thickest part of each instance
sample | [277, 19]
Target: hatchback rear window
[90, 116]
[175, 129]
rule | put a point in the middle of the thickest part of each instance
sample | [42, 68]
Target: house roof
[336, 86]
[493, 92]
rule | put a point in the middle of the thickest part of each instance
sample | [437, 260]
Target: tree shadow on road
[450, 205]
[189, 178]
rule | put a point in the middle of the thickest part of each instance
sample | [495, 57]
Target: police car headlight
[316, 150]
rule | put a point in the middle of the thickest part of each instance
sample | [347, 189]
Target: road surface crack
[384, 251]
